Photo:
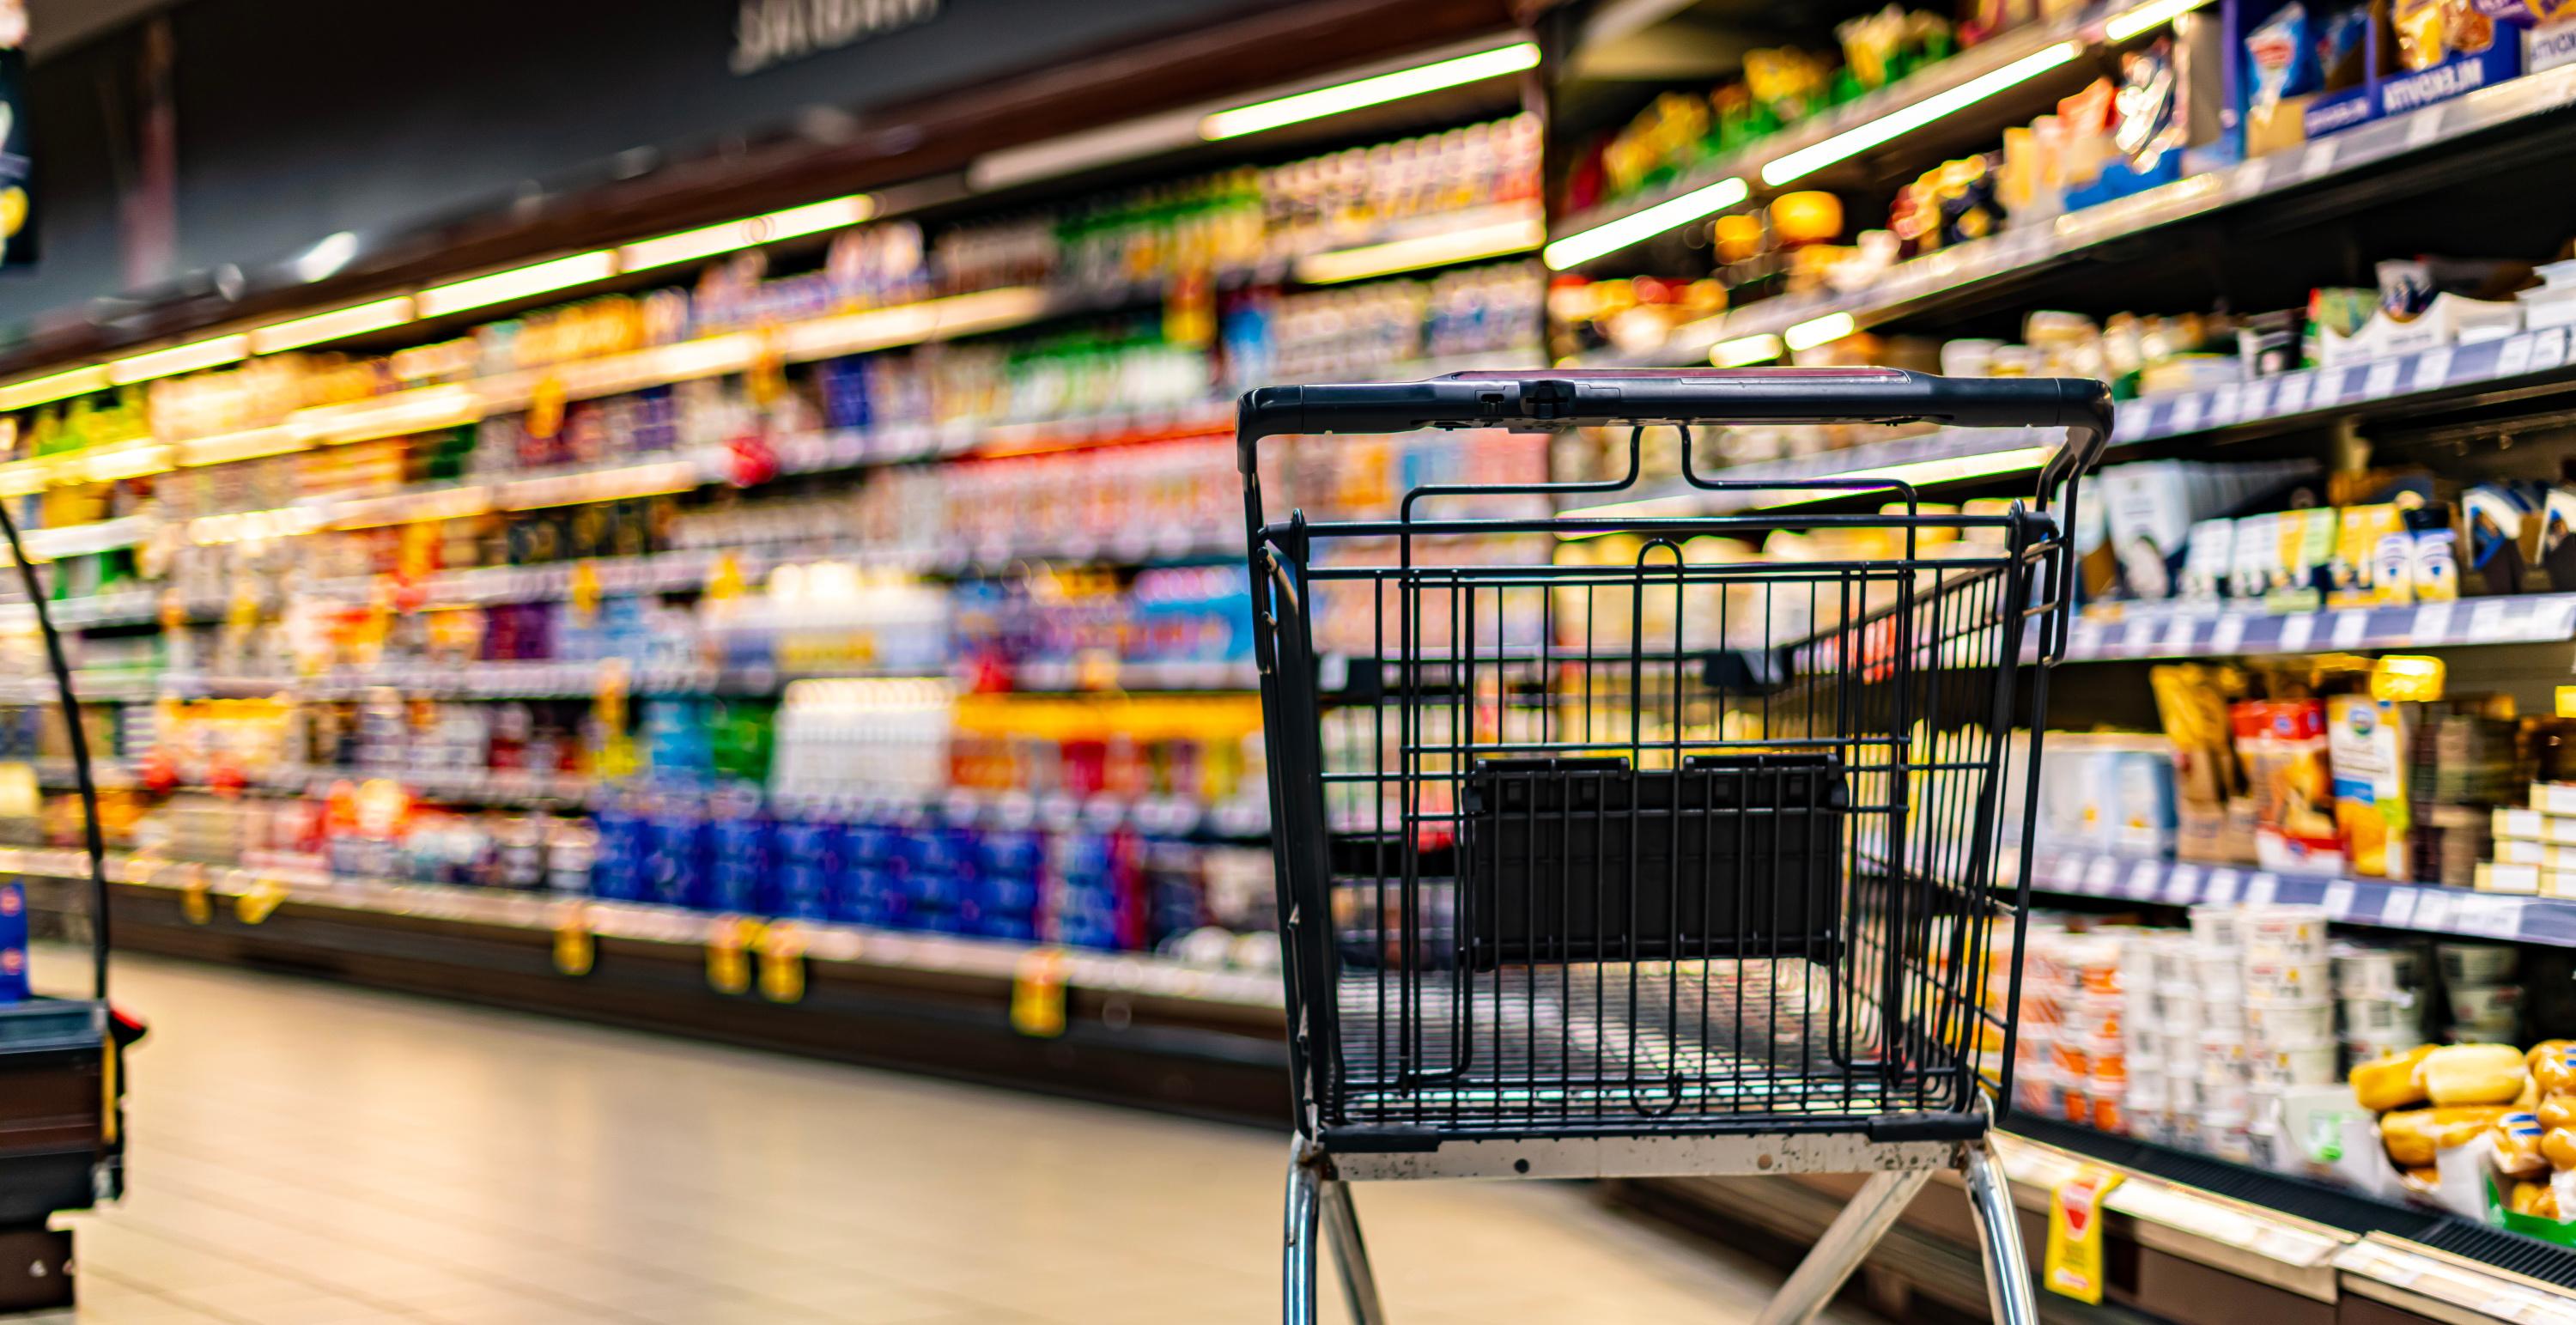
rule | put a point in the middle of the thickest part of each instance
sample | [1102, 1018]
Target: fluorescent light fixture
[355, 320]
[2155, 14]
[518, 283]
[248, 444]
[186, 358]
[1376, 91]
[417, 410]
[1905, 119]
[1052, 157]
[1743, 350]
[750, 231]
[54, 386]
[911, 324]
[1813, 332]
[1610, 236]
[109, 465]
[327, 256]
[653, 480]
[1954, 469]
[1438, 248]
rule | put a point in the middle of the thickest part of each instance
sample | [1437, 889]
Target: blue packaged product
[738, 849]
[617, 870]
[2282, 56]
[808, 869]
[674, 861]
[13, 942]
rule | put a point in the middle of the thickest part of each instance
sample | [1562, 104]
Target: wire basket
[1637, 834]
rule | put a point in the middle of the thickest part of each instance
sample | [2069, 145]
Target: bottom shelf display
[1127, 1027]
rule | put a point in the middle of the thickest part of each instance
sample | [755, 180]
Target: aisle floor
[304, 1154]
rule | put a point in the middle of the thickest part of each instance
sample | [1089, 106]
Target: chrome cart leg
[1304, 1185]
[1342, 1226]
[2008, 1288]
[1842, 1247]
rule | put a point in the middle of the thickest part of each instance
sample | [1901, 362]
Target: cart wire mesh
[1640, 834]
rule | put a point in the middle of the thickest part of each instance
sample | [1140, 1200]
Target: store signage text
[768, 32]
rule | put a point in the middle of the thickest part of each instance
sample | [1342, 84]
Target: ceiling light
[1609, 237]
[186, 358]
[518, 283]
[2122, 26]
[1905, 119]
[1051, 157]
[1813, 332]
[1439, 248]
[1743, 350]
[1365, 92]
[355, 320]
[54, 386]
[708, 241]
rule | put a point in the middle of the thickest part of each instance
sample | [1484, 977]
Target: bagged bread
[2392, 1082]
[2458, 1074]
[2517, 1146]
[2414, 1137]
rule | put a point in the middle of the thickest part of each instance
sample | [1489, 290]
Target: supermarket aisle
[307, 1154]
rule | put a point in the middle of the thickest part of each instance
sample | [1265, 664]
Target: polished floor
[305, 1154]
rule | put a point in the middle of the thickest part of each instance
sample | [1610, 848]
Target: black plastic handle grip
[1549, 398]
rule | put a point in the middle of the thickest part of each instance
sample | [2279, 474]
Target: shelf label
[2423, 127]
[2432, 369]
[2432, 624]
[576, 949]
[2178, 635]
[2261, 889]
[2228, 636]
[2253, 176]
[2296, 630]
[2487, 917]
[2380, 379]
[2140, 635]
[2182, 884]
[2257, 401]
[2338, 899]
[2432, 908]
[2292, 395]
[2100, 875]
[782, 963]
[2221, 890]
[2397, 909]
[1038, 993]
[2349, 627]
[2142, 879]
[728, 956]
[2069, 871]
[2515, 357]
[260, 902]
[2186, 413]
[2320, 158]
[2224, 404]
[2330, 387]
[2549, 347]
[2486, 618]
[2086, 638]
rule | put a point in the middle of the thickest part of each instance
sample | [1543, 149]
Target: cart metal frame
[1887, 916]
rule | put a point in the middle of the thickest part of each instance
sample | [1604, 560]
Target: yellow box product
[2468, 1074]
[2554, 798]
[2533, 826]
[2357, 573]
[2523, 851]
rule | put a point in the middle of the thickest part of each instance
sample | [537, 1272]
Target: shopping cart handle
[1549, 398]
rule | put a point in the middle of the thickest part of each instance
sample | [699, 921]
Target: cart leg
[1839, 1251]
[2008, 1290]
[1342, 1226]
[1304, 1185]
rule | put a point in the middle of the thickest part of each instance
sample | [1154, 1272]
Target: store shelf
[1924, 84]
[1967, 269]
[2420, 908]
[2170, 630]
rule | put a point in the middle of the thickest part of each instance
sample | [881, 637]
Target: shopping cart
[1608, 850]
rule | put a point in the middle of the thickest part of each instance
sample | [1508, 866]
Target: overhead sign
[768, 32]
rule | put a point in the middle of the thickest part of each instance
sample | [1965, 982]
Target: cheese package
[2283, 746]
[2517, 1146]
[2392, 1082]
[2415, 1137]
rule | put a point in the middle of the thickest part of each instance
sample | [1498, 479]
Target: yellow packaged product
[2517, 1146]
[2526, 1198]
[2558, 1145]
[2474, 1074]
[2392, 1082]
[2556, 1111]
[2553, 1065]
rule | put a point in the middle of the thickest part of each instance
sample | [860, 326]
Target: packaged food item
[2366, 749]
[2414, 1137]
[2393, 1082]
[2553, 1065]
[2419, 25]
[2149, 123]
[2283, 743]
[2517, 1146]
[2342, 57]
[2558, 1144]
[2474, 1074]
[2282, 57]
[2557, 1110]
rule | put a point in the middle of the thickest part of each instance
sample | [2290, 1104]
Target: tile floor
[305, 1154]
